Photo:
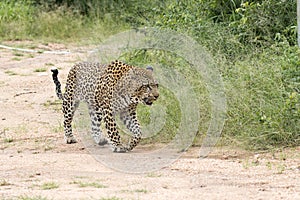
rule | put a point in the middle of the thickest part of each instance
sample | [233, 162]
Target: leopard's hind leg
[69, 108]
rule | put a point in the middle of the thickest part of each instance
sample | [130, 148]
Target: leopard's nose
[156, 96]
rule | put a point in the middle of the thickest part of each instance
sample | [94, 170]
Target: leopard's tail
[57, 83]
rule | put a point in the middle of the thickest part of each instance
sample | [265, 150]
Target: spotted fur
[108, 90]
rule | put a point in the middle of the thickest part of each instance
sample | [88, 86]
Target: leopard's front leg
[129, 118]
[113, 133]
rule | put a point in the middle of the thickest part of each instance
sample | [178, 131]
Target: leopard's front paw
[70, 140]
[119, 149]
[100, 140]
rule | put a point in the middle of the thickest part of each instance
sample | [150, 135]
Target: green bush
[266, 22]
[13, 10]
[15, 16]
[258, 62]
[262, 112]
[28, 20]
[135, 12]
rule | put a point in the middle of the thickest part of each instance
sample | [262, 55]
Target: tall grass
[20, 20]
[259, 64]
[260, 112]
[14, 17]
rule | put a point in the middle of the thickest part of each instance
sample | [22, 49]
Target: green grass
[55, 104]
[58, 129]
[10, 73]
[18, 54]
[153, 175]
[135, 191]
[8, 140]
[16, 59]
[2, 83]
[24, 21]
[259, 114]
[141, 191]
[40, 70]
[49, 186]
[31, 198]
[49, 64]
[30, 55]
[89, 184]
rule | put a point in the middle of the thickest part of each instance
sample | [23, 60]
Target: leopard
[109, 90]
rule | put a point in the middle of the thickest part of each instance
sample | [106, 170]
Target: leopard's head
[144, 88]
[136, 85]
[149, 87]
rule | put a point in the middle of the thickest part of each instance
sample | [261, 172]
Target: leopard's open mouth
[147, 101]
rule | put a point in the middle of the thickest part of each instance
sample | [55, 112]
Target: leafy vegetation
[253, 42]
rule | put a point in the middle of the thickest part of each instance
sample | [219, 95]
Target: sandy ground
[35, 163]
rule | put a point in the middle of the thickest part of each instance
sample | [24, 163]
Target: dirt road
[35, 163]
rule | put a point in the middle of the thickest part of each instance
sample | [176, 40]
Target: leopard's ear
[150, 68]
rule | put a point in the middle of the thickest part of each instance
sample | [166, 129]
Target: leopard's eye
[145, 85]
[153, 85]
[149, 88]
